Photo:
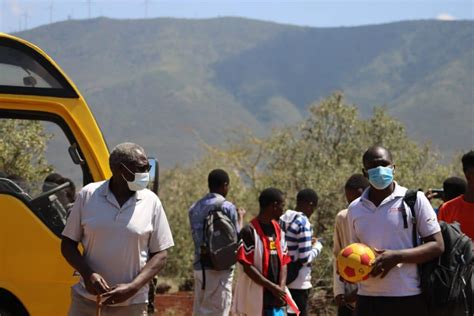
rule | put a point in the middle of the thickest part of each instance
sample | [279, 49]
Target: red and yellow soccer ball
[354, 262]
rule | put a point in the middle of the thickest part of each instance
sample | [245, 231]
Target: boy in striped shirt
[302, 247]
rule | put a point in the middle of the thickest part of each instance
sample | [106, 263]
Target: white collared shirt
[117, 240]
[382, 227]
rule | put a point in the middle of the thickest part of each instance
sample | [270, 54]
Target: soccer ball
[354, 262]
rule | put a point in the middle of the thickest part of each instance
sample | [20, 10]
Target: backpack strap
[410, 200]
[203, 268]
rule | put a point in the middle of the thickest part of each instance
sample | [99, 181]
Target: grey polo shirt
[117, 240]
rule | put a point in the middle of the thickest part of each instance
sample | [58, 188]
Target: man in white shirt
[124, 232]
[376, 219]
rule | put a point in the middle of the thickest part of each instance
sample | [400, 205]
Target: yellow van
[47, 132]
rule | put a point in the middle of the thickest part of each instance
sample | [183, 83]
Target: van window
[36, 167]
[20, 70]
[25, 71]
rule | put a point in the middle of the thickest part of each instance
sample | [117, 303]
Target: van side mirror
[154, 183]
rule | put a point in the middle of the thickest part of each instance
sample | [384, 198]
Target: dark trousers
[391, 306]
[301, 299]
[345, 311]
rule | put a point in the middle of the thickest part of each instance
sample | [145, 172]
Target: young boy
[263, 257]
[345, 293]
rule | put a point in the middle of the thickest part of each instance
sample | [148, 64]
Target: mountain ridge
[171, 79]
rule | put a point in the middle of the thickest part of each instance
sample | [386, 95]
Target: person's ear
[364, 172]
[311, 207]
[469, 174]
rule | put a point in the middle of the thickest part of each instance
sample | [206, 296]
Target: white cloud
[445, 17]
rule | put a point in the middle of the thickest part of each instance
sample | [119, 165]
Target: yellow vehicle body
[33, 272]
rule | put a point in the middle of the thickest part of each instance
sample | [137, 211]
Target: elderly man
[123, 229]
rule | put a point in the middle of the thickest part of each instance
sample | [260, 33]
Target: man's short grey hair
[125, 152]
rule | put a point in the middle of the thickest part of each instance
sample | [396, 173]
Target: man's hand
[344, 299]
[278, 292]
[351, 297]
[340, 300]
[241, 212]
[385, 260]
[119, 293]
[96, 284]
[240, 220]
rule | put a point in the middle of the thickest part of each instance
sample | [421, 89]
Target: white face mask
[139, 182]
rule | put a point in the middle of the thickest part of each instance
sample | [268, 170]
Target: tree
[22, 150]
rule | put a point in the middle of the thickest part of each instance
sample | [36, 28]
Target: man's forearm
[314, 252]
[257, 277]
[74, 257]
[283, 273]
[151, 268]
[432, 247]
[338, 285]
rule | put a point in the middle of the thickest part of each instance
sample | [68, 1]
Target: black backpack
[220, 241]
[445, 280]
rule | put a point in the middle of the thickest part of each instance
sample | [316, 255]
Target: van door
[50, 147]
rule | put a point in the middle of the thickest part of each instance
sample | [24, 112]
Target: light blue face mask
[380, 177]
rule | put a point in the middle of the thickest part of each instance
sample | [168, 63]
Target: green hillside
[161, 82]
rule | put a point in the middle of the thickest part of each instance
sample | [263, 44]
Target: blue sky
[19, 15]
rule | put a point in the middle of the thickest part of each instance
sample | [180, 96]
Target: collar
[290, 215]
[104, 190]
[398, 191]
[212, 195]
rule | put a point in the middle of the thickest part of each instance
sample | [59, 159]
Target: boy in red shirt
[461, 209]
[260, 288]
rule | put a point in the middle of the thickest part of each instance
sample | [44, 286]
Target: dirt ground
[179, 303]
